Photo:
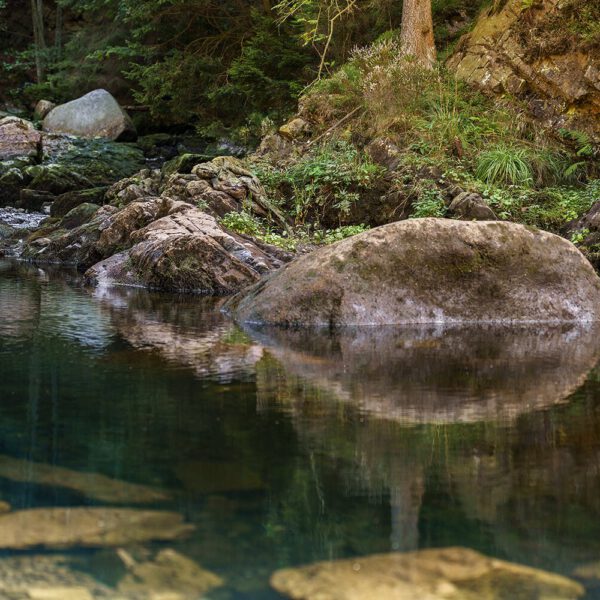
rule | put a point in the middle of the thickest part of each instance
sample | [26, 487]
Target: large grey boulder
[430, 271]
[95, 115]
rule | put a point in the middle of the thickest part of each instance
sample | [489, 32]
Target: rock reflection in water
[186, 331]
[436, 374]
[448, 424]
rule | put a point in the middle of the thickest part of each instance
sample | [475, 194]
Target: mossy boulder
[68, 164]
[184, 163]
[66, 202]
[430, 271]
[79, 215]
[6, 231]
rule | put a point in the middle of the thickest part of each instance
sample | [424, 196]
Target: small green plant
[579, 236]
[505, 165]
[330, 236]
[242, 222]
[429, 204]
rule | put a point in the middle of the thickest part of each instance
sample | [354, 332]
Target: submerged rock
[93, 485]
[210, 477]
[169, 573]
[87, 527]
[430, 271]
[444, 574]
[49, 577]
[94, 115]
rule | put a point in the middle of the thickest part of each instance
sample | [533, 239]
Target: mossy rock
[430, 271]
[157, 145]
[6, 231]
[68, 201]
[184, 163]
[11, 183]
[79, 215]
[34, 199]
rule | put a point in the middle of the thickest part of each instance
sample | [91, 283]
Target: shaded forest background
[223, 66]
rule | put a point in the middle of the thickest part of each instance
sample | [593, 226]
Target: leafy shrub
[329, 180]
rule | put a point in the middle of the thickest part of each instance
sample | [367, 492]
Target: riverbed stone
[42, 108]
[92, 485]
[79, 215]
[429, 271]
[49, 577]
[18, 139]
[95, 115]
[88, 527]
[185, 250]
[69, 200]
[437, 574]
[169, 572]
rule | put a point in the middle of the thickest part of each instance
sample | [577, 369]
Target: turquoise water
[283, 448]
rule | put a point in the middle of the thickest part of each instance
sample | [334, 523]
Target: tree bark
[58, 31]
[39, 38]
[417, 31]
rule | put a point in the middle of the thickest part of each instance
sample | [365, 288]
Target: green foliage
[328, 179]
[429, 204]
[579, 236]
[548, 208]
[505, 165]
[330, 236]
[248, 224]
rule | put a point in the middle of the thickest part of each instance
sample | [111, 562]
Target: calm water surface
[284, 448]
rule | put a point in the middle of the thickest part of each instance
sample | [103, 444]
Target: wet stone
[440, 574]
[87, 527]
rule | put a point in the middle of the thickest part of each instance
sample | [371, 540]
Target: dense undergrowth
[440, 135]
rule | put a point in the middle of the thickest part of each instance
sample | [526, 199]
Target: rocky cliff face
[546, 52]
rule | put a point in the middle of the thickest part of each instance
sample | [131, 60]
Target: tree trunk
[417, 31]
[58, 31]
[39, 38]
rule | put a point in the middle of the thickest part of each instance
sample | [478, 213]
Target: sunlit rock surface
[429, 271]
[97, 114]
[89, 527]
[445, 574]
[18, 139]
[529, 50]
